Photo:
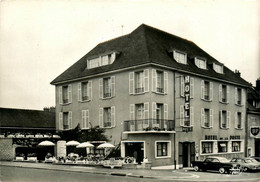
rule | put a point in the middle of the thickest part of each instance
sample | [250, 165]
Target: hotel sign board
[187, 100]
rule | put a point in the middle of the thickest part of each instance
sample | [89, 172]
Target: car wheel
[245, 169]
[196, 168]
[221, 170]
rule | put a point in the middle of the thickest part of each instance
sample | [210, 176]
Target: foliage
[92, 134]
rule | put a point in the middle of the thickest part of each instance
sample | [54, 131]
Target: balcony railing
[107, 95]
[139, 90]
[84, 98]
[147, 125]
[160, 90]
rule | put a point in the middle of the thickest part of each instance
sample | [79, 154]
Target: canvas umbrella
[85, 145]
[72, 143]
[105, 145]
[46, 143]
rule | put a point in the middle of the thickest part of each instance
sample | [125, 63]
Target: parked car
[220, 164]
[256, 158]
[247, 164]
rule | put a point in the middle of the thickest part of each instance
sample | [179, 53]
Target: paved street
[18, 171]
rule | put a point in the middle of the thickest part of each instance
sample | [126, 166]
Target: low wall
[6, 149]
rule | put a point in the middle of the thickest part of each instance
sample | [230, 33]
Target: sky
[41, 39]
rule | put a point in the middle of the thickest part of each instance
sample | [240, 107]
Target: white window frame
[228, 119]
[221, 94]
[207, 141]
[101, 60]
[236, 120]
[223, 141]
[168, 149]
[199, 61]
[69, 94]
[176, 55]
[210, 118]
[112, 117]
[210, 91]
[85, 119]
[144, 82]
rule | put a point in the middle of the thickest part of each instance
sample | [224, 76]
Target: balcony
[149, 126]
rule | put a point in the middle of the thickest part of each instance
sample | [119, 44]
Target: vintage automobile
[220, 164]
[247, 164]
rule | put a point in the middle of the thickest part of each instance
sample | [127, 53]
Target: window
[180, 57]
[236, 146]
[206, 90]
[218, 68]
[239, 120]
[85, 91]
[207, 147]
[159, 81]
[139, 111]
[201, 63]
[139, 82]
[223, 93]
[107, 117]
[224, 119]
[85, 119]
[186, 121]
[107, 87]
[222, 147]
[162, 149]
[65, 120]
[206, 118]
[65, 94]
[101, 60]
[238, 96]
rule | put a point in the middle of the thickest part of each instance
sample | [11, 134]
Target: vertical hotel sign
[187, 100]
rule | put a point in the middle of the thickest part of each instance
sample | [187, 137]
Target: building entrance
[257, 148]
[186, 153]
[136, 150]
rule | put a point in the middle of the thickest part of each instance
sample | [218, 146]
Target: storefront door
[257, 148]
[135, 150]
[186, 153]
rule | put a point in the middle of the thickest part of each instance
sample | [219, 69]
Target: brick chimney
[257, 85]
[237, 72]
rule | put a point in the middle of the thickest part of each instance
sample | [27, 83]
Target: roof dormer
[201, 63]
[101, 60]
[219, 68]
[180, 57]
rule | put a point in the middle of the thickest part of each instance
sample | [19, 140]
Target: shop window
[236, 146]
[222, 147]
[207, 147]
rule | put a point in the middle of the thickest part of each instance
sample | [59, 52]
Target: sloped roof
[26, 118]
[147, 45]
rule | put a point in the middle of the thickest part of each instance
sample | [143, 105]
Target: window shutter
[236, 95]
[70, 119]
[131, 83]
[242, 120]
[227, 93]
[154, 110]
[101, 88]
[113, 116]
[79, 92]
[202, 89]
[132, 111]
[101, 117]
[242, 147]
[243, 96]
[87, 118]
[90, 90]
[146, 110]
[165, 106]
[83, 121]
[182, 86]
[113, 86]
[229, 146]
[220, 118]
[70, 93]
[146, 80]
[61, 120]
[181, 115]
[211, 118]
[165, 82]
[154, 80]
[211, 90]
[220, 93]
[191, 116]
[236, 120]
[60, 94]
[192, 87]
[202, 117]
[228, 118]
[113, 57]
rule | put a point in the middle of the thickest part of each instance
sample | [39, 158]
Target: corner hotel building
[136, 86]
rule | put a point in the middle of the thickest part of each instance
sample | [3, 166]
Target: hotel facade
[159, 96]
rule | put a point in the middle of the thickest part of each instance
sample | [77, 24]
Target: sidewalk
[137, 173]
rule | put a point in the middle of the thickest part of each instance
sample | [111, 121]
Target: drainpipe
[174, 111]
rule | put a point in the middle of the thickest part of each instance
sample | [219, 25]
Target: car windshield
[223, 160]
[250, 160]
